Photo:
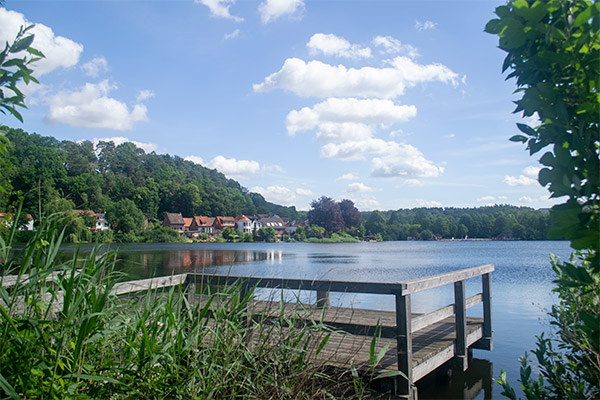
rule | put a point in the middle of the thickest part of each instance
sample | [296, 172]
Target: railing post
[404, 386]
[460, 313]
[486, 286]
[322, 298]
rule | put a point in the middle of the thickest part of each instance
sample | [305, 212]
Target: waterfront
[521, 284]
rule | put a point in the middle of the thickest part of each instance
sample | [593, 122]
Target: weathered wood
[424, 320]
[11, 280]
[148, 284]
[418, 285]
[486, 283]
[404, 385]
[460, 309]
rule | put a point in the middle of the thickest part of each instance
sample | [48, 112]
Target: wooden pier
[417, 344]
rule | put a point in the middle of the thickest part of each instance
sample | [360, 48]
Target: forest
[41, 170]
[51, 176]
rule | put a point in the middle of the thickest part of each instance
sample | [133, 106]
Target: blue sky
[393, 104]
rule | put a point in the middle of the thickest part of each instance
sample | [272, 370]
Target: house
[202, 224]
[224, 222]
[274, 222]
[6, 220]
[174, 221]
[244, 224]
[292, 227]
[187, 222]
[101, 222]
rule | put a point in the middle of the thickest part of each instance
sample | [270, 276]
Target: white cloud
[144, 95]
[304, 192]
[96, 66]
[273, 167]
[390, 45]
[528, 177]
[348, 177]
[91, 107]
[404, 160]
[270, 10]
[413, 182]
[359, 187]
[347, 115]
[354, 150]
[220, 8]
[486, 199]
[318, 79]
[277, 194]
[426, 203]
[332, 45]
[195, 159]
[233, 168]
[232, 35]
[117, 140]
[366, 203]
[423, 26]
[58, 50]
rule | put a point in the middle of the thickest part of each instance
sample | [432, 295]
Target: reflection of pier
[414, 344]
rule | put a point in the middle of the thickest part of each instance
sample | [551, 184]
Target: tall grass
[64, 334]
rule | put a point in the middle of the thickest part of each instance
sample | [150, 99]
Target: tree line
[49, 175]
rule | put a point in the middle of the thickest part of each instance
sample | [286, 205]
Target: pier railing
[407, 323]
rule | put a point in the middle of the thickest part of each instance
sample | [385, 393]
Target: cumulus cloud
[304, 192]
[117, 140]
[347, 114]
[423, 26]
[277, 194]
[318, 79]
[232, 35]
[390, 45]
[220, 8]
[404, 160]
[90, 107]
[426, 203]
[486, 199]
[359, 187]
[233, 168]
[95, 67]
[59, 51]
[144, 95]
[332, 45]
[528, 177]
[270, 10]
[195, 159]
[366, 202]
[348, 177]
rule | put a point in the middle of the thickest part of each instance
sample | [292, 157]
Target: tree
[326, 213]
[350, 214]
[552, 50]
[125, 217]
[228, 234]
[267, 234]
[14, 70]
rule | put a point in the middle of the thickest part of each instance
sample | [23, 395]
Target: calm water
[521, 285]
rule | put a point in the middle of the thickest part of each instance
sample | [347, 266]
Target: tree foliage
[553, 52]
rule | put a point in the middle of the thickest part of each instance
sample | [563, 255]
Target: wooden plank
[418, 285]
[11, 280]
[486, 283]
[146, 284]
[460, 309]
[421, 321]
[302, 284]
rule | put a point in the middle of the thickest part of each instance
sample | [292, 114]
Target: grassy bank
[65, 335]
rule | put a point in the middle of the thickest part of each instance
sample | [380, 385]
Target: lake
[521, 284]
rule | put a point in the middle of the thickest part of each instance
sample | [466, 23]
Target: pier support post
[460, 312]
[404, 385]
[486, 283]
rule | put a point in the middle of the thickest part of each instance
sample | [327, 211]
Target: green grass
[63, 334]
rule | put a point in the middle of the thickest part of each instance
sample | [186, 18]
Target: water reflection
[453, 383]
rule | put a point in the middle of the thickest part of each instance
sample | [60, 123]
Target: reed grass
[64, 334]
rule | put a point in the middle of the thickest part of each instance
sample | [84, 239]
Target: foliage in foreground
[64, 334]
[553, 52]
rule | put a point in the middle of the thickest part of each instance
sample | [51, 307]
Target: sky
[392, 104]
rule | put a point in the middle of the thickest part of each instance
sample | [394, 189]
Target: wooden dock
[417, 344]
